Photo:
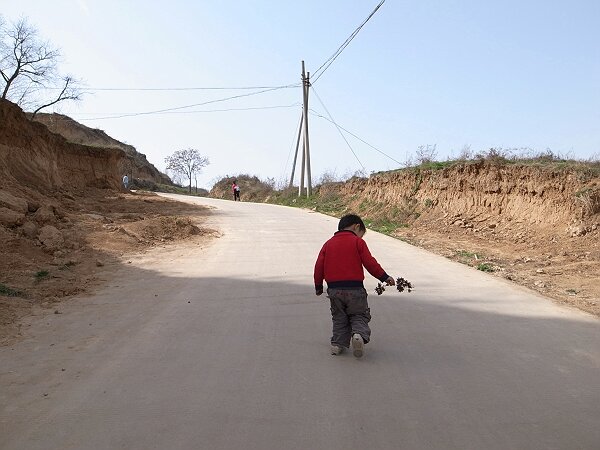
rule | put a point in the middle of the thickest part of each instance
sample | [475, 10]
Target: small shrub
[485, 267]
[426, 154]
[436, 165]
[494, 155]
[10, 292]
[466, 154]
[41, 274]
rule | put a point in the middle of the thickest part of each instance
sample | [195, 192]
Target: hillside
[65, 221]
[533, 223]
[137, 164]
[252, 189]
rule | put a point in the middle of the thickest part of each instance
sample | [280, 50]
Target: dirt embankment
[136, 164]
[31, 157]
[65, 223]
[538, 225]
[494, 195]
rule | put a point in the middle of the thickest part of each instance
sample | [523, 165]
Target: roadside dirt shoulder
[77, 242]
[563, 268]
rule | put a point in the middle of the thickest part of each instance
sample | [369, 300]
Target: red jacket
[341, 262]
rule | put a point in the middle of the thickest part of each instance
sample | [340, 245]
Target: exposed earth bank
[65, 222]
[536, 223]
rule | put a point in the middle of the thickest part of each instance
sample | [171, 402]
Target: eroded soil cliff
[65, 222]
[536, 223]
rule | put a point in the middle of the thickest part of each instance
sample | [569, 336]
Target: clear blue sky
[452, 73]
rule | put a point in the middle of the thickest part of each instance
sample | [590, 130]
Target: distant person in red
[340, 264]
[236, 191]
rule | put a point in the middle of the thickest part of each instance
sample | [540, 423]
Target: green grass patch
[10, 292]
[436, 165]
[583, 193]
[485, 267]
[41, 274]
[498, 157]
[184, 190]
[384, 226]
[329, 204]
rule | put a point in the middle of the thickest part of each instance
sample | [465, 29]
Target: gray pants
[350, 314]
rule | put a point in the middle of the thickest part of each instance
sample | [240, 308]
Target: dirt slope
[535, 224]
[543, 196]
[136, 165]
[34, 158]
[65, 223]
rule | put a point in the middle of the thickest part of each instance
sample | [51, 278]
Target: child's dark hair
[349, 220]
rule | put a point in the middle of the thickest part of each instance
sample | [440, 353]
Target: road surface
[225, 346]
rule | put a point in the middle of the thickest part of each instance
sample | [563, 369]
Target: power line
[332, 58]
[338, 128]
[159, 111]
[203, 88]
[293, 105]
[314, 113]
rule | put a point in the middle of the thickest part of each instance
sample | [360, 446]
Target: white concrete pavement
[225, 346]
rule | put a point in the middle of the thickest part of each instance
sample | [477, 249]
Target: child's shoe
[358, 345]
[336, 349]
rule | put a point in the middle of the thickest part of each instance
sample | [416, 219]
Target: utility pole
[296, 154]
[303, 131]
[302, 170]
[306, 85]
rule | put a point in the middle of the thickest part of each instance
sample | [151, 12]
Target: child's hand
[390, 281]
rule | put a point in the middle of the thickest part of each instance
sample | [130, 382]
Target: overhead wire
[177, 108]
[251, 108]
[193, 88]
[332, 58]
[263, 89]
[315, 113]
[338, 128]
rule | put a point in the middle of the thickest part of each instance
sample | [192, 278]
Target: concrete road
[225, 346]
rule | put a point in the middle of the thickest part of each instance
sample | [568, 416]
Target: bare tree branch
[187, 162]
[28, 67]
[69, 92]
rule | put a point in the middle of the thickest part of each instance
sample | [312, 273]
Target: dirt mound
[67, 249]
[252, 188]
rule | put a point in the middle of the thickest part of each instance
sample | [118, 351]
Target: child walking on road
[236, 191]
[340, 263]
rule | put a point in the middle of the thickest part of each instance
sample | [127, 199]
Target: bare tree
[28, 67]
[69, 91]
[187, 162]
[426, 154]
